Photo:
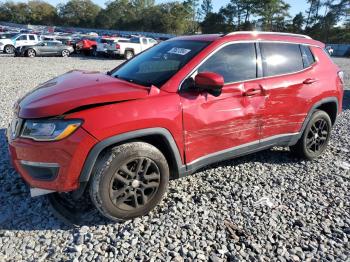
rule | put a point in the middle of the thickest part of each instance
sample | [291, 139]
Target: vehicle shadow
[346, 100]
[18, 211]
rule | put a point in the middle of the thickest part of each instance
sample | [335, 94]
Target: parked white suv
[135, 46]
[9, 45]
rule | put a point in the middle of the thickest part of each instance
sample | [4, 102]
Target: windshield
[158, 64]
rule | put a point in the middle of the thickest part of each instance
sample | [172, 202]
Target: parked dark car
[47, 48]
[7, 35]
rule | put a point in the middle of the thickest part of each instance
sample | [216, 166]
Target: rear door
[32, 39]
[223, 126]
[288, 72]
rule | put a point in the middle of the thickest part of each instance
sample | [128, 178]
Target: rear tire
[129, 54]
[9, 49]
[315, 137]
[131, 182]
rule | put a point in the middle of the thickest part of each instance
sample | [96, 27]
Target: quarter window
[308, 58]
[280, 58]
[235, 62]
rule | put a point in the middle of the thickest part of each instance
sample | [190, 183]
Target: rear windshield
[106, 41]
[6, 36]
[158, 64]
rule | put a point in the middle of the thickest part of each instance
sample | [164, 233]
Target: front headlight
[49, 130]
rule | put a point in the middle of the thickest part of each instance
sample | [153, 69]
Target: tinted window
[31, 37]
[308, 58]
[104, 41]
[279, 58]
[159, 63]
[135, 40]
[5, 36]
[234, 62]
[22, 37]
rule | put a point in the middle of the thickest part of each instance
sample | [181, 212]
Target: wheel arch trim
[100, 146]
[313, 108]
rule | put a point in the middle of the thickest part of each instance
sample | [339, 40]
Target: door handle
[253, 91]
[309, 81]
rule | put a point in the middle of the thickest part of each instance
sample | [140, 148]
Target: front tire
[131, 182]
[65, 53]
[315, 137]
[31, 53]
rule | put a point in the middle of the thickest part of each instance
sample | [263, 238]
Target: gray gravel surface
[267, 206]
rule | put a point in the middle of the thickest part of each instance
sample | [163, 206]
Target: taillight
[341, 76]
[117, 46]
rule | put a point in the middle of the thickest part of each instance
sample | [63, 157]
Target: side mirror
[210, 82]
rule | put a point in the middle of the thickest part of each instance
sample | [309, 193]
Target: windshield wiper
[147, 84]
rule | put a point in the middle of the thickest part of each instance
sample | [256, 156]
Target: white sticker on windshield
[179, 51]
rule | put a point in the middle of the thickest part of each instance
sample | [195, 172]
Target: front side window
[158, 64]
[235, 62]
[22, 37]
[281, 58]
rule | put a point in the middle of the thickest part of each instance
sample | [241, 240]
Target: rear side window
[235, 62]
[31, 37]
[281, 58]
[144, 41]
[308, 57]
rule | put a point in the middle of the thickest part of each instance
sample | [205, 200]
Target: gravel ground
[266, 206]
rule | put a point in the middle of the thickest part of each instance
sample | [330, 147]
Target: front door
[22, 40]
[216, 128]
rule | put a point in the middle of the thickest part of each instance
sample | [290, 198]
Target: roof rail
[268, 33]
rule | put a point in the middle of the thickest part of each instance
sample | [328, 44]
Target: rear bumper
[52, 166]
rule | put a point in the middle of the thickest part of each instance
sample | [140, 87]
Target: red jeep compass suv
[183, 104]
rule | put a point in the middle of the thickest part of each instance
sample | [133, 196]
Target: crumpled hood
[76, 89]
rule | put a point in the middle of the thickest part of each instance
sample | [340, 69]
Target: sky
[296, 5]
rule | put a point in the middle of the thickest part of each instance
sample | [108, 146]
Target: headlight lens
[49, 130]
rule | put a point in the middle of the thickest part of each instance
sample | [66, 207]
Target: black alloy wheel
[129, 181]
[315, 137]
[134, 184]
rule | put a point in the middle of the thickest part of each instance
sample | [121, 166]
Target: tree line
[326, 20]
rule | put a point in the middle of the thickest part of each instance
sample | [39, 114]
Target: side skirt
[245, 149]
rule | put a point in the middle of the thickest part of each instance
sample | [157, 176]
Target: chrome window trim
[258, 61]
